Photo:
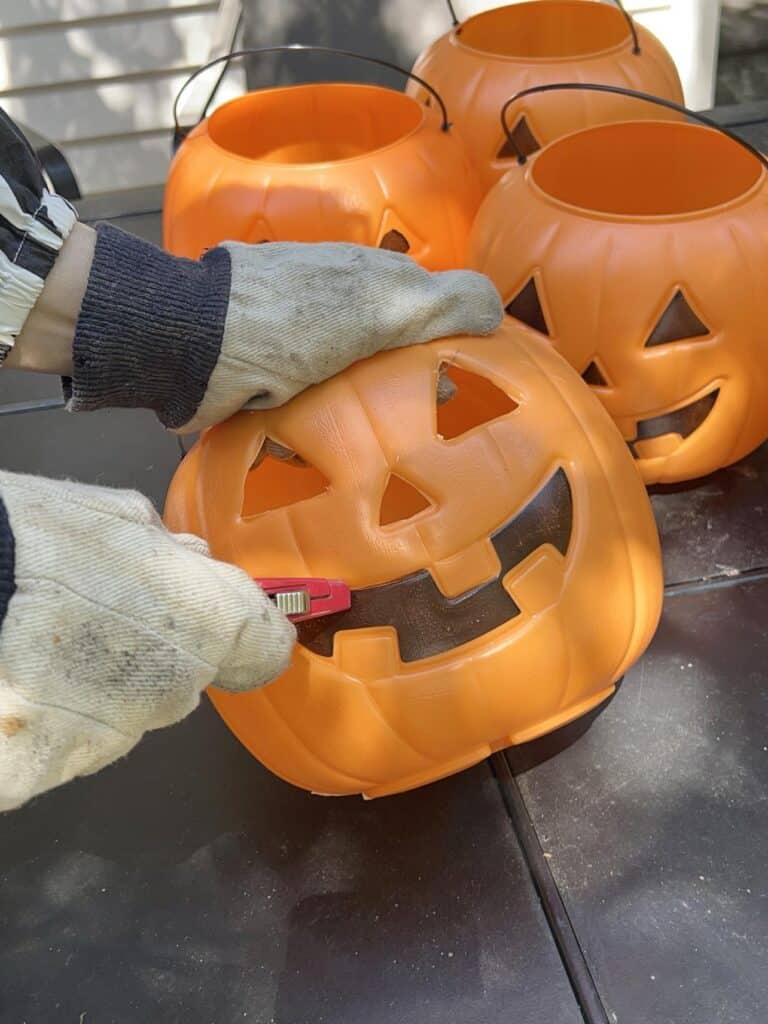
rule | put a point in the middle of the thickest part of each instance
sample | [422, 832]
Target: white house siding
[98, 77]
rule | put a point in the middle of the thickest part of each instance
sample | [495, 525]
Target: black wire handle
[225, 69]
[180, 132]
[631, 26]
[621, 91]
[627, 17]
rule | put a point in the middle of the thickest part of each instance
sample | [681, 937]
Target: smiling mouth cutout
[682, 422]
[428, 623]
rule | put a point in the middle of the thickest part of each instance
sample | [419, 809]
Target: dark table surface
[615, 873]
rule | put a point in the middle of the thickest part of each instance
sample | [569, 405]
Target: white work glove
[299, 314]
[253, 324]
[114, 628]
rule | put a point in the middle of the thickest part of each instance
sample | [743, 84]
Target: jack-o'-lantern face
[639, 252]
[501, 552]
[332, 162]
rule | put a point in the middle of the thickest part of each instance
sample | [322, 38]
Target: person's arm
[196, 340]
[34, 226]
[129, 325]
[44, 342]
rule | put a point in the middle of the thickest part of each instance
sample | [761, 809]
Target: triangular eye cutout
[522, 143]
[677, 323]
[258, 231]
[398, 236]
[594, 376]
[473, 401]
[526, 307]
[279, 477]
[395, 241]
[401, 501]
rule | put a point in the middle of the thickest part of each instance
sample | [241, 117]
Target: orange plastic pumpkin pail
[640, 252]
[500, 547]
[330, 161]
[482, 61]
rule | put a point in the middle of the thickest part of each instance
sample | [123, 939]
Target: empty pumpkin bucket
[482, 61]
[324, 162]
[640, 250]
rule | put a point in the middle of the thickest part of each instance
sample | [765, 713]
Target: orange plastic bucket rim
[545, 32]
[620, 171]
[232, 117]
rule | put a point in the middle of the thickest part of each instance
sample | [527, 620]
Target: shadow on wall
[394, 30]
[49, 74]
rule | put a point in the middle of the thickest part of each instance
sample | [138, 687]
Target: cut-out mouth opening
[556, 29]
[646, 169]
[426, 622]
[680, 423]
[318, 123]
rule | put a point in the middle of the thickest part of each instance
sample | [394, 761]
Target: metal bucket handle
[620, 91]
[627, 17]
[181, 131]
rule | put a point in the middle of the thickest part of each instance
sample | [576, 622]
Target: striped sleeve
[33, 225]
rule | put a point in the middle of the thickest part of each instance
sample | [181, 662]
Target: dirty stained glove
[112, 626]
[252, 324]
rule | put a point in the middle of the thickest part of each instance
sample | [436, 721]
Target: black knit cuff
[150, 328]
[7, 562]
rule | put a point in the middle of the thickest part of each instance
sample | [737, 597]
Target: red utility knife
[301, 598]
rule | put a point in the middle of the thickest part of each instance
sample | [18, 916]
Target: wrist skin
[45, 341]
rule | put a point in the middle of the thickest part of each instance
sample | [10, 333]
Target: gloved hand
[252, 324]
[113, 627]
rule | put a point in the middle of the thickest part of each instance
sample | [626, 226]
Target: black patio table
[615, 873]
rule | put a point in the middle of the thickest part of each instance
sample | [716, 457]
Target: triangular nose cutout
[594, 376]
[677, 322]
[522, 143]
[401, 501]
[526, 307]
